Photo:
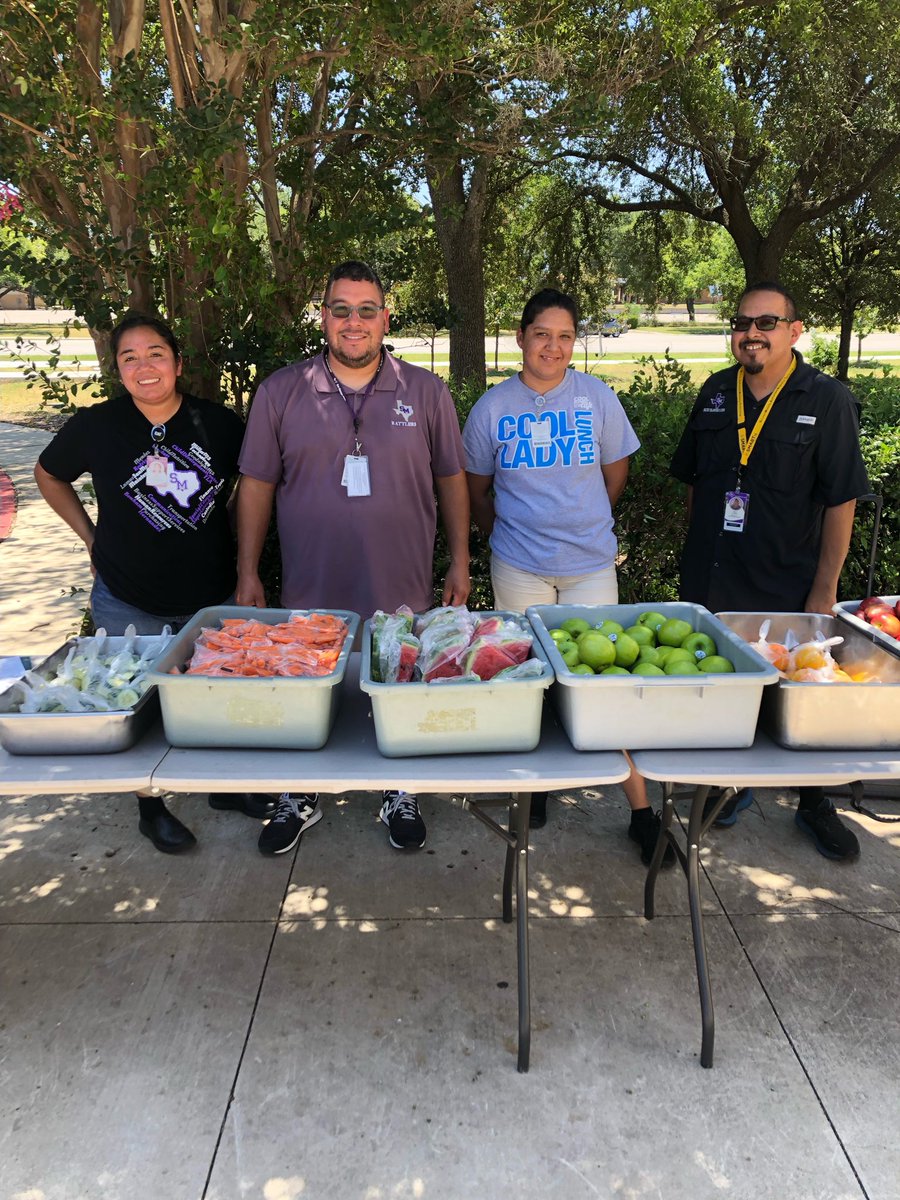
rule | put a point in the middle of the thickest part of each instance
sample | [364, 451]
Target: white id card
[356, 475]
[157, 470]
[540, 433]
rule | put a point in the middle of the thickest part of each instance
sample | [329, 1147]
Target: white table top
[53, 774]
[766, 764]
[351, 761]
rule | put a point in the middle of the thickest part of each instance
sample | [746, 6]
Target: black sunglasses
[764, 324]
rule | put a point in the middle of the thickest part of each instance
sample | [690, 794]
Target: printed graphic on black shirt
[186, 499]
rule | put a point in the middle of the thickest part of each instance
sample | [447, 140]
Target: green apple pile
[653, 645]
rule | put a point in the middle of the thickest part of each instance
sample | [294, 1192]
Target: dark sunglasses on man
[765, 324]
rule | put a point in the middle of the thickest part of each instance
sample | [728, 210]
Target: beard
[752, 368]
[355, 362]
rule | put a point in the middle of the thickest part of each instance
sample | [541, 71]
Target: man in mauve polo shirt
[772, 462]
[352, 446]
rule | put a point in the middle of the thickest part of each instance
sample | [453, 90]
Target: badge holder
[156, 464]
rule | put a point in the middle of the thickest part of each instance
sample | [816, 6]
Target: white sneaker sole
[317, 816]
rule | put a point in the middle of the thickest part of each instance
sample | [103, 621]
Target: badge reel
[736, 505]
[156, 464]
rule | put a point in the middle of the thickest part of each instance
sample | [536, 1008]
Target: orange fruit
[804, 675]
[809, 656]
[779, 656]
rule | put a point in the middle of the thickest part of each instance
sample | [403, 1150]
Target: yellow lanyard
[746, 444]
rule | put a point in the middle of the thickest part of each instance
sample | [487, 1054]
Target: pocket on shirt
[715, 442]
[786, 462]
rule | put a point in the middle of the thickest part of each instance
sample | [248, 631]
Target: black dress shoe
[167, 833]
[251, 804]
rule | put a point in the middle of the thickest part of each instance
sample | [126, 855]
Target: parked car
[611, 326]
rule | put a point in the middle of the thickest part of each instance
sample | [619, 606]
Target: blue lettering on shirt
[584, 425]
[519, 449]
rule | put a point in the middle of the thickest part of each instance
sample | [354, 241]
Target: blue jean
[113, 615]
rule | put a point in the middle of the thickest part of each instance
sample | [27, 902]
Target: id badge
[736, 505]
[356, 475]
[540, 433]
[157, 470]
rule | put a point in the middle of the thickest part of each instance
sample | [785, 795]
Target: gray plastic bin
[640, 712]
[264, 713]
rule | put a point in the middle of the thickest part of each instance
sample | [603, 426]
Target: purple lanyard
[355, 413]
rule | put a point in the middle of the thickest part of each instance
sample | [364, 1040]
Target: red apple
[897, 608]
[888, 622]
[871, 602]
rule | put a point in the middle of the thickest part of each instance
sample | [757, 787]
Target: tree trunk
[497, 348]
[459, 223]
[848, 311]
[690, 308]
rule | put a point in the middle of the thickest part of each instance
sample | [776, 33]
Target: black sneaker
[251, 804]
[400, 812]
[293, 816]
[828, 832]
[644, 829]
[730, 810]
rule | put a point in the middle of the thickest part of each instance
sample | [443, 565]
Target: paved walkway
[339, 1023]
[45, 576]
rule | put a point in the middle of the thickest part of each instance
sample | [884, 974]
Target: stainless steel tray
[828, 716]
[76, 733]
[846, 612]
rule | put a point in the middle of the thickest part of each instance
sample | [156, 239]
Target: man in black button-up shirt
[773, 473]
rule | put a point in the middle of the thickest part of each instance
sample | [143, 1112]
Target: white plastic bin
[264, 713]
[456, 716]
[640, 712]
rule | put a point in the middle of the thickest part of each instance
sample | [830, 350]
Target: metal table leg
[690, 864]
[516, 867]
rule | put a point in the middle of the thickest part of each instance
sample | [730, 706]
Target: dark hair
[358, 272]
[790, 302]
[544, 299]
[139, 320]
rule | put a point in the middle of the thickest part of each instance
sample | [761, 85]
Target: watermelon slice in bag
[487, 626]
[488, 656]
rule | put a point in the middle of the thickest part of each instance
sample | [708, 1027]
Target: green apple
[561, 635]
[662, 654]
[681, 666]
[673, 632]
[627, 649]
[575, 626]
[642, 634]
[569, 653]
[678, 654]
[715, 664]
[647, 668]
[608, 627]
[652, 620]
[700, 645]
[595, 649]
[614, 671]
[583, 669]
[651, 654]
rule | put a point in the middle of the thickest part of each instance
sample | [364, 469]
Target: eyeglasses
[764, 324]
[365, 312]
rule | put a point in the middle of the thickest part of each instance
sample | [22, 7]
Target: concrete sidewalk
[340, 1023]
[45, 573]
